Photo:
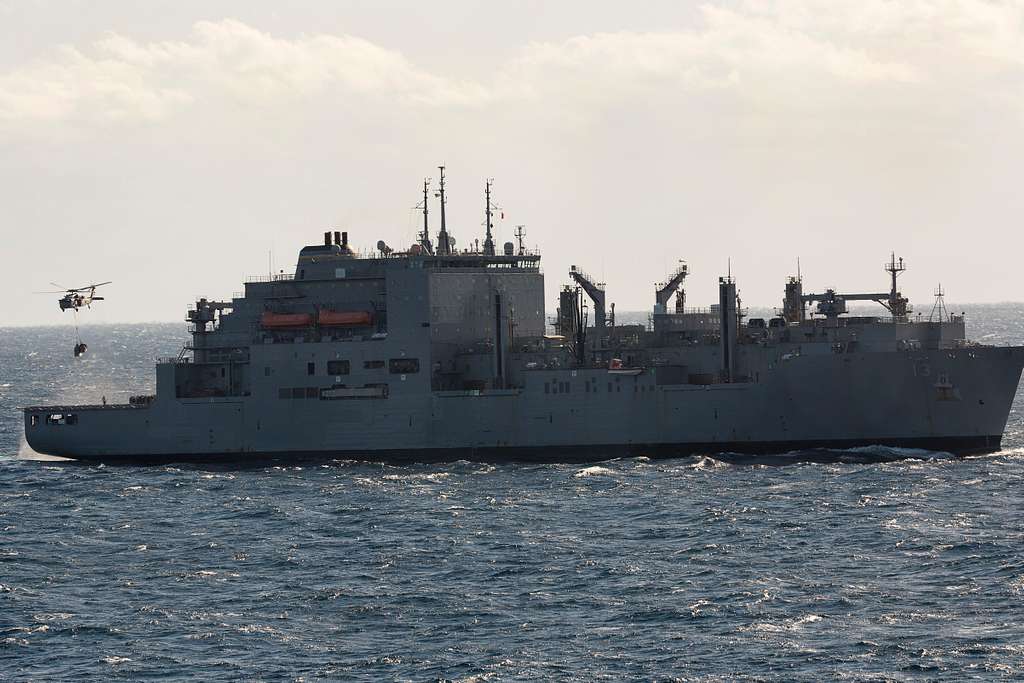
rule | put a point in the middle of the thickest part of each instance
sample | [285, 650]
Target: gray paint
[844, 381]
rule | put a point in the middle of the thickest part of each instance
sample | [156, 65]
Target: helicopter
[76, 297]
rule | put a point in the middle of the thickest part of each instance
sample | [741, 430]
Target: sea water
[840, 565]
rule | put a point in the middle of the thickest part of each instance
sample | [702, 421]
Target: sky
[178, 147]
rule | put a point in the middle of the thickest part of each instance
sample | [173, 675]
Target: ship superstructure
[436, 353]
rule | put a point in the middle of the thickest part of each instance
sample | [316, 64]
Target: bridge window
[338, 367]
[310, 368]
[403, 366]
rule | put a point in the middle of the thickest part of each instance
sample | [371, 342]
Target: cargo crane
[832, 304]
[663, 291]
[596, 293]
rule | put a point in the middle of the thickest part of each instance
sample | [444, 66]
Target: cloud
[790, 56]
[731, 47]
[118, 78]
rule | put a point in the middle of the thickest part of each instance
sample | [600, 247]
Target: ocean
[845, 564]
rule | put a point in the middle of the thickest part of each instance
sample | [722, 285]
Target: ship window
[337, 367]
[284, 393]
[299, 392]
[222, 372]
[403, 366]
[34, 420]
[547, 387]
[310, 368]
[373, 364]
[312, 392]
[266, 371]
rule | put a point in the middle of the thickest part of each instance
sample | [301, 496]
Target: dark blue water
[698, 568]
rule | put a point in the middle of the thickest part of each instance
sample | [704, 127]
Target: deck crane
[596, 293]
[663, 291]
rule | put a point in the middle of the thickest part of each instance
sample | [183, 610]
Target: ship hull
[955, 401]
[841, 450]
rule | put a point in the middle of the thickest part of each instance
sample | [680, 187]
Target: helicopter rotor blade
[87, 287]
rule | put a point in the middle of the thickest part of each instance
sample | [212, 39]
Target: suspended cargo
[285, 320]
[338, 318]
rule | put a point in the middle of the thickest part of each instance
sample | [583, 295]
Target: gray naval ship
[437, 353]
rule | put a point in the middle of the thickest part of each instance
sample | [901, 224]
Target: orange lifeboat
[337, 318]
[276, 321]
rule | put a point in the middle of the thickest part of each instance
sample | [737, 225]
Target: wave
[594, 470]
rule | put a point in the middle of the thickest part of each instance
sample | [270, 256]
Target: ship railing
[73, 409]
[276, 277]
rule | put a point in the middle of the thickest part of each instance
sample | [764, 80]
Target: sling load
[74, 298]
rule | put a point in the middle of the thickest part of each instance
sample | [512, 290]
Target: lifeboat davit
[329, 318]
[285, 320]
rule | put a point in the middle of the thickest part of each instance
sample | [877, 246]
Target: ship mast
[444, 247]
[488, 240]
[897, 305]
[425, 235]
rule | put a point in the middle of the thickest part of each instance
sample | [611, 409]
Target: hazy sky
[169, 146]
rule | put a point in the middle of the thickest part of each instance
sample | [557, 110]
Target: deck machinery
[435, 353]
